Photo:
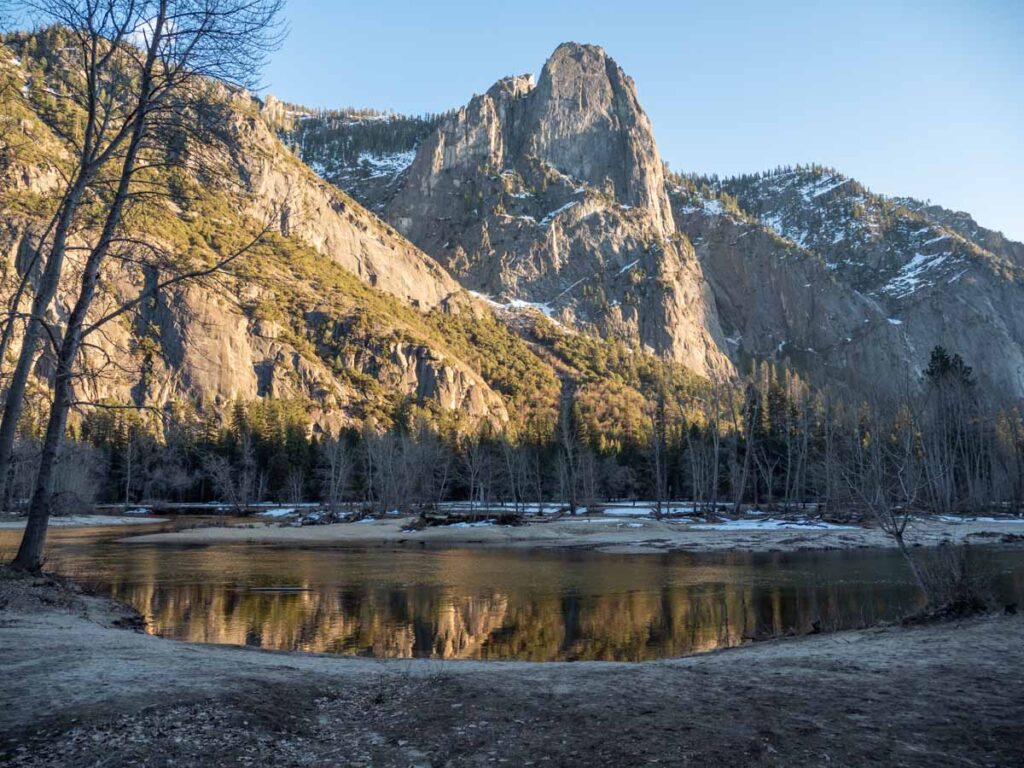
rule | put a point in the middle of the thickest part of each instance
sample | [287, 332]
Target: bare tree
[1009, 458]
[767, 463]
[516, 464]
[295, 485]
[437, 462]
[535, 453]
[335, 471]
[659, 448]
[387, 481]
[476, 467]
[76, 485]
[129, 456]
[142, 59]
[748, 415]
[162, 466]
[570, 447]
[955, 439]
[238, 485]
[885, 475]
[826, 466]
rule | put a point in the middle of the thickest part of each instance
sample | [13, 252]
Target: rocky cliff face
[319, 214]
[586, 120]
[808, 265]
[328, 310]
[963, 224]
[552, 195]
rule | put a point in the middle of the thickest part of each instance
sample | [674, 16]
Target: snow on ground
[272, 504]
[518, 305]
[277, 512]
[822, 186]
[386, 164]
[709, 205]
[964, 519]
[84, 521]
[769, 525]
[646, 509]
[956, 277]
[569, 288]
[911, 276]
[775, 222]
[547, 309]
[551, 216]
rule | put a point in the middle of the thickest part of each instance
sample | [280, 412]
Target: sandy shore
[84, 521]
[80, 691]
[606, 534]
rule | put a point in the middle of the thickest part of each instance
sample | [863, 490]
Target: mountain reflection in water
[488, 604]
[493, 604]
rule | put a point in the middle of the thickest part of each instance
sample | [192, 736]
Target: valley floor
[80, 690]
[602, 533]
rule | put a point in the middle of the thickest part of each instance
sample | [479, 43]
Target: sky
[911, 97]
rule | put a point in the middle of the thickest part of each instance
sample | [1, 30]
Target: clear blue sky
[916, 97]
[911, 97]
[922, 97]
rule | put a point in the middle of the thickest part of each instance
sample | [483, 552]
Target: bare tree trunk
[128, 470]
[30, 552]
[570, 446]
[747, 457]
[47, 289]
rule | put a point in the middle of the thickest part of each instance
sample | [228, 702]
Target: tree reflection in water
[487, 604]
[495, 604]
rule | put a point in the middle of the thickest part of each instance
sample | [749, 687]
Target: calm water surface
[492, 604]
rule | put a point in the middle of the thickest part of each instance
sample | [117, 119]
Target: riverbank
[82, 690]
[611, 534]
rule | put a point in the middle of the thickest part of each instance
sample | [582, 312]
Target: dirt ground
[606, 534]
[80, 687]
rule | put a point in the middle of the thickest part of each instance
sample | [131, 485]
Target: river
[480, 603]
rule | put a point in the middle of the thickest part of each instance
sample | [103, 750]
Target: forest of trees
[337, 138]
[767, 440]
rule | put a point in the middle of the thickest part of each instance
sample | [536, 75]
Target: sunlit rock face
[585, 119]
[319, 302]
[553, 194]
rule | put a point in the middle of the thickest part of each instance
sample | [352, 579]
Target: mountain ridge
[885, 265]
[332, 309]
[572, 260]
